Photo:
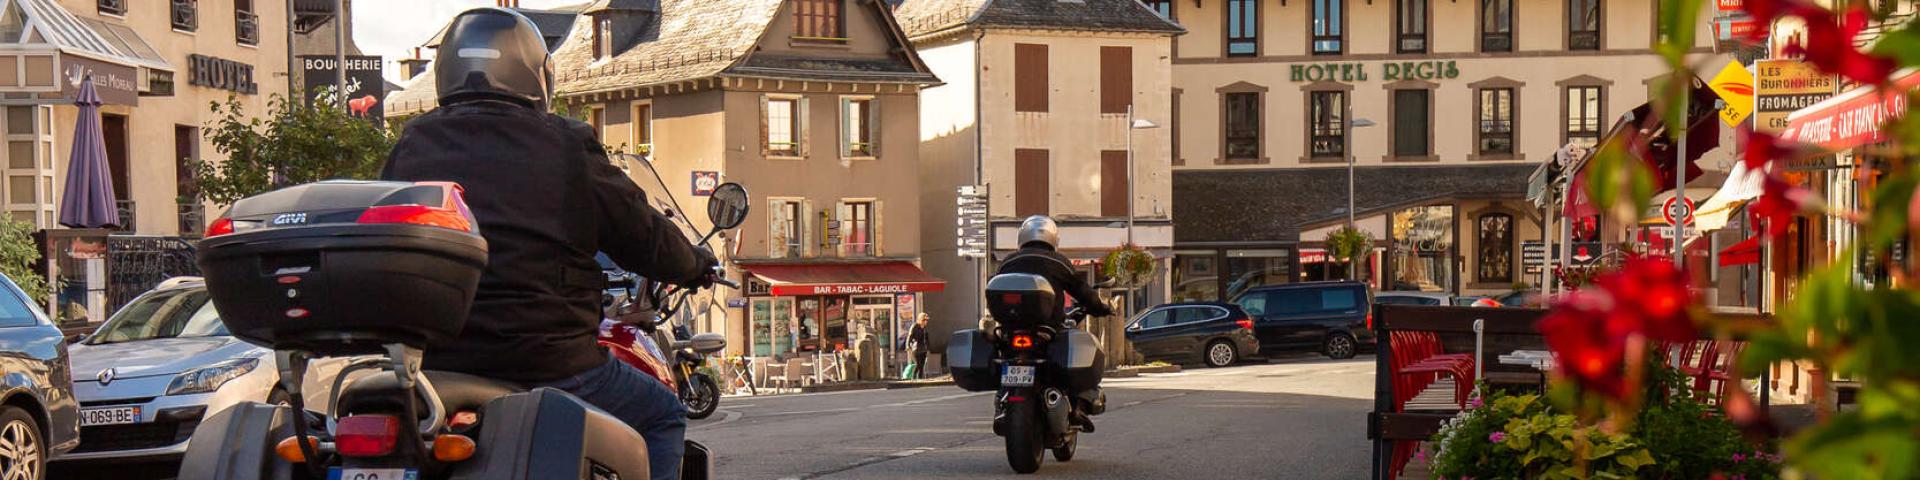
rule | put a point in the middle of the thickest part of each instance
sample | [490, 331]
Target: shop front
[1851, 125]
[806, 308]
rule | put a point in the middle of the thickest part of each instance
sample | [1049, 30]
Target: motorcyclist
[547, 199]
[1039, 255]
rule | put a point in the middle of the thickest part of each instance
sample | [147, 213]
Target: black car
[1217, 334]
[1334, 318]
[38, 415]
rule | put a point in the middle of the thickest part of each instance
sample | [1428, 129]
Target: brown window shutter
[1116, 79]
[1031, 180]
[1029, 77]
[1113, 183]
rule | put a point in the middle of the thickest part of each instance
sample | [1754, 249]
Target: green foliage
[1523, 437]
[1618, 183]
[1128, 265]
[18, 252]
[1348, 243]
[293, 144]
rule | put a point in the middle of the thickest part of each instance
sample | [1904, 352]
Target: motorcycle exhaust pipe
[1059, 408]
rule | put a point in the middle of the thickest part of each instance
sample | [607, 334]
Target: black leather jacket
[546, 198]
[1039, 259]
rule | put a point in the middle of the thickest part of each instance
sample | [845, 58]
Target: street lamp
[1133, 124]
[1355, 123]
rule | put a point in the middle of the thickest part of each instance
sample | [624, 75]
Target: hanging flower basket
[1129, 266]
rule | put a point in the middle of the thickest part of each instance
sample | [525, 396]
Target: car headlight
[211, 377]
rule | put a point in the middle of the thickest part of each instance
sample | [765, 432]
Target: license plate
[339, 473]
[109, 416]
[1017, 376]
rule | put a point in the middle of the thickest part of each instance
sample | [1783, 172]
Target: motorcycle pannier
[1020, 300]
[1078, 354]
[970, 359]
[341, 267]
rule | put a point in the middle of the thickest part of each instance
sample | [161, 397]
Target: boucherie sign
[1851, 119]
[792, 290]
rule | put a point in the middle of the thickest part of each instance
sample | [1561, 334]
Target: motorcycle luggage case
[339, 267]
[1020, 300]
[970, 359]
[237, 444]
[546, 434]
[1077, 357]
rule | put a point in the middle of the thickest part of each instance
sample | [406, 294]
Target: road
[1301, 418]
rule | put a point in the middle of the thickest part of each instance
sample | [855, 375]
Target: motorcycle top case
[970, 359]
[1021, 300]
[341, 267]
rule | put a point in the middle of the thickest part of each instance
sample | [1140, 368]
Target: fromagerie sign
[1385, 71]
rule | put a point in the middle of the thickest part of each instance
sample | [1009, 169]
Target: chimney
[509, 3]
[413, 67]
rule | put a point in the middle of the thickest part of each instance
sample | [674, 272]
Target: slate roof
[1273, 205]
[923, 17]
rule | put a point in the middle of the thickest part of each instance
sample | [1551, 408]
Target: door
[1194, 327]
[1150, 332]
[114, 129]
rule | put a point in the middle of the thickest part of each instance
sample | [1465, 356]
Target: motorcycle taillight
[1022, 341]
[367, 435]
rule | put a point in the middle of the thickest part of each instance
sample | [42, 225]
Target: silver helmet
[1039, 228]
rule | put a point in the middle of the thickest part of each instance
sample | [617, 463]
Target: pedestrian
[917, 342]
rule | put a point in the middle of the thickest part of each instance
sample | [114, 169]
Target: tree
[293, 144]
[18, 253]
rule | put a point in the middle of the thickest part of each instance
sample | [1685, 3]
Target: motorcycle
[346, 268]
[1046, 378]
[634, 334]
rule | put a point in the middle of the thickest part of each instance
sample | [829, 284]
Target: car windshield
[178, 313]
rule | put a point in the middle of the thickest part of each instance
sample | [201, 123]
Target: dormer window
[602, 36]
[819, 20]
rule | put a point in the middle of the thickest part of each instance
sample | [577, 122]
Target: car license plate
[1017, 376]
[109, 416]
[338, 473]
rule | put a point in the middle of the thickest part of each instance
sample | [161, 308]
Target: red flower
[1777, 204]
[1830, 47]
[1763, 148]
[1589, 328]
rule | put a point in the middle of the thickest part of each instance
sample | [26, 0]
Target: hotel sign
[220, 73]
[1387, 71]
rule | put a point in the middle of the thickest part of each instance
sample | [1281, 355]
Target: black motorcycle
[382, 270]
[1047, 378]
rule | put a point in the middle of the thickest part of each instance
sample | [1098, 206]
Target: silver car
[146, 377]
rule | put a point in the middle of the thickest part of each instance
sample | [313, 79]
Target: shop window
[1116, 79]
[1162, 7]
[1583, 116]
[246, 24]
[1243, 28]
[773, 327]
[858, 236]
[819, 20]
[1327, 124]
[1412, 123]
[186, 15]
[1583, 24]
[1329, 23]
[788, 221]
[873, 317]
[1412, 23]
[1032, 182]
[858, 127]
[1496, 25]
[643, 128]
[1030, 87]
[1247, 269]
[1495, 242]
[784, 123]
[1242, 130]
[1423, 249]
[1495, 122]
[1196, 276]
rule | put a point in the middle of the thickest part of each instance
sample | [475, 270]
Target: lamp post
[1132, 124]
[1347, 112]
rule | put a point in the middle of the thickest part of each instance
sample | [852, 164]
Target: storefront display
[805, 308]
[1196, 277]
[1423, 244]
[1247, 269]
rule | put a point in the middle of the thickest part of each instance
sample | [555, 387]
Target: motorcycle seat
[458, 391]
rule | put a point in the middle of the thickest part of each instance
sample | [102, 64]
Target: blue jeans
[644, 403]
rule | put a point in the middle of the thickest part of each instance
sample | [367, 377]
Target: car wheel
[23, 456]
[1220, 353]
[1340, 346]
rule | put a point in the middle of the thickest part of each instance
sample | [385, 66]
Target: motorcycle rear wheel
[702, 397]
[1026, 436]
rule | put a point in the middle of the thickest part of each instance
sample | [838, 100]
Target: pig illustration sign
[366, 90]
[704, 183]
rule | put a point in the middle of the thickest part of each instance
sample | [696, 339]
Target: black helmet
[494, 53]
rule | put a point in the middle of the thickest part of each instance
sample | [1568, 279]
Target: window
[1195, 279]
[783, 127]
[858, 219]
[246, 24]
[1155, 319]
[1660, 31]
[602, 37]
[1114, 186]
[1495, 121]
[1583, 24]
[1327, 124]
[186, 15]
[1032, 182]
[597, 117]
[1162, 7]
[857, 125]
[1412, 36]
[1247, 269]
[1583, 116]
[1422, 249]
[1191, 315]
[643, 128]
[113, 7]
[788, 219]
[1328, 22]
[1243, 126]
[1496, 25]
[1116, 79]
[818, 20]
[1412, 122]
[1243, 28]
[1030, 89]
[1496, 248]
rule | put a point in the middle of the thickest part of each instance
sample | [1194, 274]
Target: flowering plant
[1129, 265]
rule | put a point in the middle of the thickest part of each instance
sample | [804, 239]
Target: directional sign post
[971, 216]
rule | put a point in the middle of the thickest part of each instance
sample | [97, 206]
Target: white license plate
[109, 416]
[338, 473]
[1017, 376]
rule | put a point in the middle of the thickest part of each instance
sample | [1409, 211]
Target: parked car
[39, 418]
[148, 375]
[1217, 334]
[1334, 318]
[1416, 298]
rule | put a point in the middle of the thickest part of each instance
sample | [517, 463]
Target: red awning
[846, 279]
[1853, 118]
[1747, 252]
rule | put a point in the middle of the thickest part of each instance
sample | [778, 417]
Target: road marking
[808, 412]
[933, 400]
[728, 417]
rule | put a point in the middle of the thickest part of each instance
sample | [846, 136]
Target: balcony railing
[113, 7]
[193, 219]
[186, 15]
[1583, 40]
[246, 28]
[127, 211]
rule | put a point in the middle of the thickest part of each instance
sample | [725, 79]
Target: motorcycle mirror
[727, 208]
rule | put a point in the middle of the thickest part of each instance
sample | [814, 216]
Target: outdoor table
[1537, 359]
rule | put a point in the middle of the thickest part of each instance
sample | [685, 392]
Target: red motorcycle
[633, 331]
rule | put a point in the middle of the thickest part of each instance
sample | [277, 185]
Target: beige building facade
[1445, 108]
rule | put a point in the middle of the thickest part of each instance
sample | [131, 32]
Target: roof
[554, 24]
[924, 17]
[1242, 205]
[95, 39]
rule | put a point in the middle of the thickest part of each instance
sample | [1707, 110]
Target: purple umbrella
[89, 202]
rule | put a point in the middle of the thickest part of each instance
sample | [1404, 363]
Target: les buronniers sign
[1388, 71]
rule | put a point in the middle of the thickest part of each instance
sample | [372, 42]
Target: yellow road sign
[1735, 85]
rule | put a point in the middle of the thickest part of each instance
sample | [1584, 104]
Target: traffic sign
[1678, 210]
[971, 217]
[1735, 85]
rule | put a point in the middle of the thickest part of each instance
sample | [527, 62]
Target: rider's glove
[709, 264]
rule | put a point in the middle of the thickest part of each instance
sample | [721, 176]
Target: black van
[1334, 318]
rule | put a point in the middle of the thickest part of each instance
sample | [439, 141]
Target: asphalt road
[1301, 418]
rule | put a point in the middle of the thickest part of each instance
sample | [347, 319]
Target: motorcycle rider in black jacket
[547, 199]
[1039, 255]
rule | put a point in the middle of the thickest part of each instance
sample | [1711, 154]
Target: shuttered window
[1411, 126]
[1032, 182]
[819, 20]
[1030, 77]
[1116, 79]
[1113, 183]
